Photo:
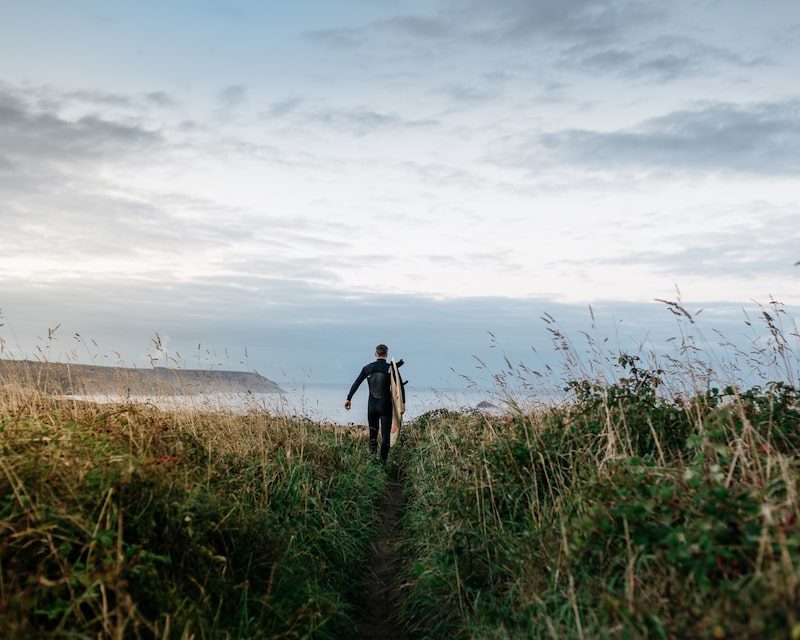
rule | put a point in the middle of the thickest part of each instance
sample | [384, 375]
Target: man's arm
[361, 377]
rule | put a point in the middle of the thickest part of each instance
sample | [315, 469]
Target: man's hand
[347, 405]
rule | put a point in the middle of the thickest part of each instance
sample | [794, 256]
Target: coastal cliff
[80, 379]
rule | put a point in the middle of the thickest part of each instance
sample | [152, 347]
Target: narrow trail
[377, 620]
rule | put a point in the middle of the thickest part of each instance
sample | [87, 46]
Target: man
[379, 407]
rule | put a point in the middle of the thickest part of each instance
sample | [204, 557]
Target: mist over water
[321, 402]
[326, 401]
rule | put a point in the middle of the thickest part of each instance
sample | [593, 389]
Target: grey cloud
[417, 26]
[55, 198]
[160, 99]
[628, 38]
[787, 36]
[236, 146]
[336, 37]
[437, 173]
[633, 64]
[99, 97]
[190, 126]
[759, 138]
[284, 107]
[50, 98]
[769, 248]
[363, 120]
[503, 22]
[230, 12]
[232, 96]
[665, 58]
[78, 223]
[583, 20]
[85, 223]
[464, 94]
[44, 135]
[359, 120]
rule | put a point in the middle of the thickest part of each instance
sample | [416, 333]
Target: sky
[280, 186]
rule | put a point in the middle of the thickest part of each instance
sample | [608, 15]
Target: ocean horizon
[319, 401]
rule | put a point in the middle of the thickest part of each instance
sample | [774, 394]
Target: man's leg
[372, 421]
[386, 431]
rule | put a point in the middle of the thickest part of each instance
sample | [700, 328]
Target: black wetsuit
[379, 407]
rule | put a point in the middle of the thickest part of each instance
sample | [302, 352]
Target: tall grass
[120, 520]
[658, 497]
[650, 503]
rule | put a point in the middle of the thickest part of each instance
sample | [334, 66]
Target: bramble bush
[623, 513]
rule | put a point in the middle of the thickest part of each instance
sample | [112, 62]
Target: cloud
[765, 246]
[53, 174]
[626, 38]
[99, 98]
[232, 96]
[500, 23]
[49, 98]
[155, 238]
[423, 27]
[362, 120]
[663, 59]
[28, 133]
[760, 138]
[85, 227]
[160, 99]
[229, 12]
[359, 121]
[60, 214]
[465, 94]
[284, 107]
[577, 20]
[450, 174]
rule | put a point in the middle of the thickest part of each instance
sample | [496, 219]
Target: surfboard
[398, 401]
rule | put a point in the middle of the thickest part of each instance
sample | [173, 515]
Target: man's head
[381, 351]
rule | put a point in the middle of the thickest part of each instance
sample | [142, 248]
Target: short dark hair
[382, 350]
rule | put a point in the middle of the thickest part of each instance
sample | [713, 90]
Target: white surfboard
[398, 401]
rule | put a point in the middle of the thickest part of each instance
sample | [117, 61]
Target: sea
[322, 402]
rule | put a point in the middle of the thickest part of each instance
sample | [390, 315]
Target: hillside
[125, 521]
[617, 514]
[79, 379]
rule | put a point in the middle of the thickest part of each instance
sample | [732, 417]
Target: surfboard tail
[398, 400]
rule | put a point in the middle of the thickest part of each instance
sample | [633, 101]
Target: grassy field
[644, 507]
[634, 519]
[125, 521]
[650, 503]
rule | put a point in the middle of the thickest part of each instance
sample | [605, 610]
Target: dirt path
[379, 609]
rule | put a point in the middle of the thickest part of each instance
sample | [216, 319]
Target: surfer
[379, 407]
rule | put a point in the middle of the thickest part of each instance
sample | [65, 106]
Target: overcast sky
[306, 179]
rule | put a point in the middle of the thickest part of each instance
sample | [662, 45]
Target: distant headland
[81, 379]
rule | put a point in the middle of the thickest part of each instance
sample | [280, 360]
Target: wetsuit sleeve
[361, 377]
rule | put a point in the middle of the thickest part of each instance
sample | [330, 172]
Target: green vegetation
[622, 514]
[125, 521]
[651, 503]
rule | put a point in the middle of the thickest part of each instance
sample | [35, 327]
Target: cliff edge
[81, 379]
